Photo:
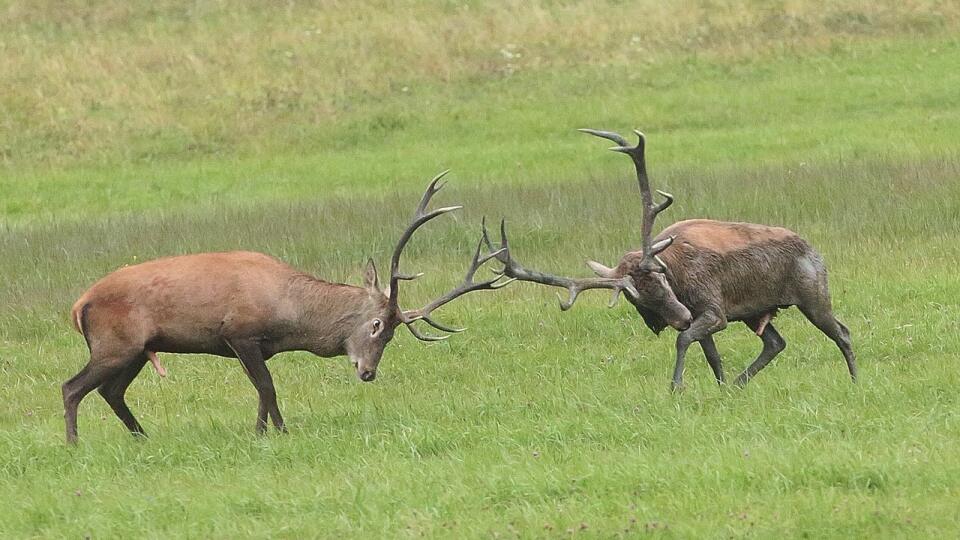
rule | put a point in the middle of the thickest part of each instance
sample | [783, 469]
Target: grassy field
[131, 131]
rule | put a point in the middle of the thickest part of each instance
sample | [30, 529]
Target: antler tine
[515, 271]
[615, 137]
[503, 253]
[668, 200]
[503, 235]
[432, 190]
[618, 286]
[443, 327]
[564, 306]
[420, 217]
[468, 285]
[478, 260]
[424, 337]
[485, 234]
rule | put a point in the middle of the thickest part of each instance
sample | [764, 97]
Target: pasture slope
[134, 130]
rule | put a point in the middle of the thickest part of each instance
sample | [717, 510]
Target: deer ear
[370, 279]
[660, 246]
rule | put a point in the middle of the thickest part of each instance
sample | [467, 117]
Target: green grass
[896, 100]
[534, 423]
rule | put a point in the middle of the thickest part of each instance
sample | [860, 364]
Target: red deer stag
[698, 275]
[248, 306]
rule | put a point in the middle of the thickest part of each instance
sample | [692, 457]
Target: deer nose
[367, 375]
[683, 324]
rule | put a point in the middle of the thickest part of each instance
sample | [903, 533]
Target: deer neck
[323, 315]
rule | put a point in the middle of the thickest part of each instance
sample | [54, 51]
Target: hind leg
[814, 296]
[773, 344]
[113, 392]
[822, 318]
[74, 390]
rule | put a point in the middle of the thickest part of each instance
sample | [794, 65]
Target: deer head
[382, 313]
[646, 269]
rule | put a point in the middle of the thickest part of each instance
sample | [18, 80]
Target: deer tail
[80, 321]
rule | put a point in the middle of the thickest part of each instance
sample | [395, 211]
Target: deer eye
[377, 324]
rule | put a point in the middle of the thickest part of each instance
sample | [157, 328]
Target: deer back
[191, 303]
[743, 269]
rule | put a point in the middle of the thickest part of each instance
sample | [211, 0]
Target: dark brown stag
[698, 275]
[248, 306]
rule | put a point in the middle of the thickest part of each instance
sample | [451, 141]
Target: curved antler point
[424, 337]
[435, 184]
[442, 327]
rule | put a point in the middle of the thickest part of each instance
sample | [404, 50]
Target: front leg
[713, 358]
[701, 328]
[254, 363]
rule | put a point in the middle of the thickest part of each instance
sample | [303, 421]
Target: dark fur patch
[83, 324]
[653, 320]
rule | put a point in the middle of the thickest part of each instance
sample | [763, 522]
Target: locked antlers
[513, 269]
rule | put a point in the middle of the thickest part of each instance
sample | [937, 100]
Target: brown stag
[698, 275]
[248, 306]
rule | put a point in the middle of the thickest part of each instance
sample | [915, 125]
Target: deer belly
[193, 340]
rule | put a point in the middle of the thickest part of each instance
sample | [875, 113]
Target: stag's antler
[650, 210]
[468, 285]
[513, 269]
[420, 217]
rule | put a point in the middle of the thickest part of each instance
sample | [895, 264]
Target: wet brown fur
[725, 272]
[744, 270]
[698, 275]
[721, 265]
